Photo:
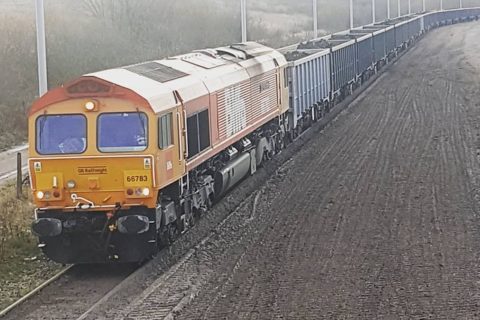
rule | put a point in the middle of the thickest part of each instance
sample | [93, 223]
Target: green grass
[22, 272]
[16, 216]
[22, 265]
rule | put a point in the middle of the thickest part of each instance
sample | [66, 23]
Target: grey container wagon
[343, 66]
[365, 58]
[309, 82]
[364, 61]
[379, 43]
[415, 27]
[431, 20]
[389, 38]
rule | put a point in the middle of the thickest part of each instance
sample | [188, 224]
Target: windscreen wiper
[142, 122]
[43, 121]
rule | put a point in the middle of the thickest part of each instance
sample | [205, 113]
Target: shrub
[16, 217]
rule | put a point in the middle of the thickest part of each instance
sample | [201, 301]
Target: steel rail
[34, 291]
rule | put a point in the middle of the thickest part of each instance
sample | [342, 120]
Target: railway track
[43, 285]
[69, 293]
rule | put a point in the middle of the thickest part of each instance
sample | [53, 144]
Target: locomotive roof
[195, 74]
[158, 83]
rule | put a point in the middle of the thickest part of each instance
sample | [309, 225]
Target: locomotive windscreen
[122, 132]
[58, 134]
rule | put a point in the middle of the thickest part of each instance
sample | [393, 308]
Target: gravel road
[376, 218]
[8, 163]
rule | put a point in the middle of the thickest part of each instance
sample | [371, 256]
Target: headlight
[139, 192]
[40, 195]
[90, 106]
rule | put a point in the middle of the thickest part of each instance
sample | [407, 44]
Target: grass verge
[22, 266]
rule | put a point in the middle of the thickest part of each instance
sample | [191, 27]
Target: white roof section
[195, 74]
[158, 96]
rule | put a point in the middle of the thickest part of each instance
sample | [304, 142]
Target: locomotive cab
[96, 163]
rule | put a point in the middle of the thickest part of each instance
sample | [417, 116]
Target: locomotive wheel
[280, 144]
[318, 113]
[168, 236]
[210, 201]
[299, 129]
[194, 218]
[172, 232]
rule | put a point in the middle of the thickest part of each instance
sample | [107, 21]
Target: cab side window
[198, 132]
[165, 131]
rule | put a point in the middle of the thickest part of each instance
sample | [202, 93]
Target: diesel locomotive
[124, 160]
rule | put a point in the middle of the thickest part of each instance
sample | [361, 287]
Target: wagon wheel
[318, 113]
[280, 143]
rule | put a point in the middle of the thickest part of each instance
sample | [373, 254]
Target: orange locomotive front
[95, 167]
[123, 160]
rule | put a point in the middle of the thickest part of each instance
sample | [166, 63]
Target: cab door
[181, 132]
[172, 151]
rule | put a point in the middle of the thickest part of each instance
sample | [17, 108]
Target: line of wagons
[324, 71]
